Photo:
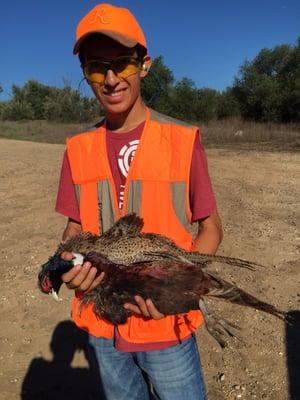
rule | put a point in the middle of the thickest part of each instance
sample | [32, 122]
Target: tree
[207, 104]
[16, 110]
[33, 95]
[37, 101]
[184, 100]
[68, 106]
[289, 80]
[228, 105]
[268, 88]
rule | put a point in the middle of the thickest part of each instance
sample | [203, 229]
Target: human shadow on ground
[292, 334]
[56, 379]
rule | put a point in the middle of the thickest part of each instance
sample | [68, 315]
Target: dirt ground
[257, 194]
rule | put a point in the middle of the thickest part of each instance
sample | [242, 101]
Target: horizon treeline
[266, 89]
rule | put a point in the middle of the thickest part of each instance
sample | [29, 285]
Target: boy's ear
[146, 65]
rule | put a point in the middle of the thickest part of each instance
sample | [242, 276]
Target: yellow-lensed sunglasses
[124, 66]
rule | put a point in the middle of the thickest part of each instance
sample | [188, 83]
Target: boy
[135, 161]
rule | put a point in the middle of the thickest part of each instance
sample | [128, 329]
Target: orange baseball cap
[115, 22]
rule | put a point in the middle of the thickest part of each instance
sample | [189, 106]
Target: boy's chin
[115, 109]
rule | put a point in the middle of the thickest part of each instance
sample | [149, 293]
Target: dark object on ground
[152, 266]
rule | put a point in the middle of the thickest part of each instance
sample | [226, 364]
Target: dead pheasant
[152, 266]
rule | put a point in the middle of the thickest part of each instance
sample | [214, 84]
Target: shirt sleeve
[202, 199]
[66, 201]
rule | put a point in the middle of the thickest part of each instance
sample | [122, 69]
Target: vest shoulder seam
[87, 129]
[82, 134]
[167, 120]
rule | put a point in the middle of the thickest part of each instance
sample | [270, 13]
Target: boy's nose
[111, 78]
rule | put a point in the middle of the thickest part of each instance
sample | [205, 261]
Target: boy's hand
[81, 277]
[145, 308]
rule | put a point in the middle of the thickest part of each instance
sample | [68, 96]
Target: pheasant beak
[54, 294]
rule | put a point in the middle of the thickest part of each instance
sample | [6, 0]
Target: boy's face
[115, 95]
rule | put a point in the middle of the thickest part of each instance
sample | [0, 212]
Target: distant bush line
[266, 89]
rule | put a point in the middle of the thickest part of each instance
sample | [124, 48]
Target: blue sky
[206, 41]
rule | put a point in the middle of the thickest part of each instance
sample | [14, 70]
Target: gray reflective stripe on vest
[179, 203]
[134, 197]
[178, 191]
[77, 192]
[107, 215]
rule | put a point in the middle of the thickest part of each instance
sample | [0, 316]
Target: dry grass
[236, 132]
[230, 132]
[40, 130]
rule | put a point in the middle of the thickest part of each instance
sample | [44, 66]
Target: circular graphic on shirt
[126, 155]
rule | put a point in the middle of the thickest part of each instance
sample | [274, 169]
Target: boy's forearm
[72, 229]
[210, 235]
[208, 240]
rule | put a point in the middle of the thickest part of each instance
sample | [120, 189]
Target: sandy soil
[40, 351]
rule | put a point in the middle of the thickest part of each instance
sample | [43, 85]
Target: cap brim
[124, 40]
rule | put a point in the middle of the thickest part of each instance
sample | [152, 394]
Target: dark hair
[141, 50]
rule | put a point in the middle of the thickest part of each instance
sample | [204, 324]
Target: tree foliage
[37, 101]
[207, 104]
[268, 88]
[228, 105]
[184, 100]
[265, 89]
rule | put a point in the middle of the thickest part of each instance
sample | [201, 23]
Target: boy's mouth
[115, 93]
[115, 96]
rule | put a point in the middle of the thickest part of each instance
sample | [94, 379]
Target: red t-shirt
[121, 148]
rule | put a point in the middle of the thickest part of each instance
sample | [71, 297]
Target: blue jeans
[173, 373]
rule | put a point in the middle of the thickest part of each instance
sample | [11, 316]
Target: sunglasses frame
[110, 65]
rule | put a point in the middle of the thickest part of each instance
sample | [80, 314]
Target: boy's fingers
[96, 281]
[142, 305]
[139, 308]
[70, 275]
[133, 308]
[146, 308]
[88, 280]
[76, 275]
[155, 314]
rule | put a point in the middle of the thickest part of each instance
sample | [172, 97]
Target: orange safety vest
[157, 189]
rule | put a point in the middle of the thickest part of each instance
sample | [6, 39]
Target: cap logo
[100, 15]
